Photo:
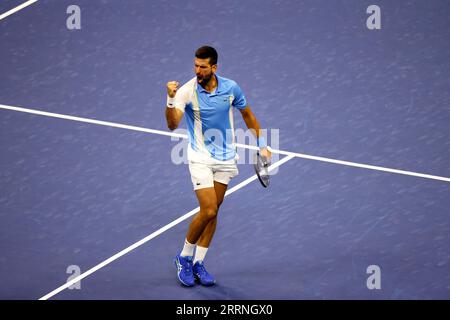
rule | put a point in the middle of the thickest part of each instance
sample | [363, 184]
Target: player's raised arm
[173, 115]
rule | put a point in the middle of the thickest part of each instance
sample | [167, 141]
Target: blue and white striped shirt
[209, 116]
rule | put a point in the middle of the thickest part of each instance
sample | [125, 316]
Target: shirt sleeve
[239, 100]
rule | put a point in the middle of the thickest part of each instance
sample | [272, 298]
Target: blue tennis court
[364, 139]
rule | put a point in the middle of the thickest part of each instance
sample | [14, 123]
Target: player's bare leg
[202, 228]
[208, 232]
[208, 212]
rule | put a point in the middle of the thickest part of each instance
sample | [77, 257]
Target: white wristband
[170, 102]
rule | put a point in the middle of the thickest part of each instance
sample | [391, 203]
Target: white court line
[365, 166]
[155, 234]
[18, 8]
[99, 122]
[178, 135]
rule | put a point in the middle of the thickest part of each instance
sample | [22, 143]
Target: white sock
[188, 249]
[200, 254]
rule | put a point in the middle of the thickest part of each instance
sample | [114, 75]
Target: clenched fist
[172, 87]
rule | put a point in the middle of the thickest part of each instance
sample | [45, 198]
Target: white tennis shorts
[205, 170]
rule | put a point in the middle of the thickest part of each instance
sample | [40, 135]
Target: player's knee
[211, 212]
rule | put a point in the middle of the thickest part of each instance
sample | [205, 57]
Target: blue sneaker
[184, 270]
[202, 275]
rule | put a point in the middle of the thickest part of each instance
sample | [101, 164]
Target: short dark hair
[207, 52]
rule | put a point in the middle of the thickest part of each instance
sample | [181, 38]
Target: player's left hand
[266, 153]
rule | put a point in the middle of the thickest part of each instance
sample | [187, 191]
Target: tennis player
[207, 101]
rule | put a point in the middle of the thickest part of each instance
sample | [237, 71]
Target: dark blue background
[77, 193]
